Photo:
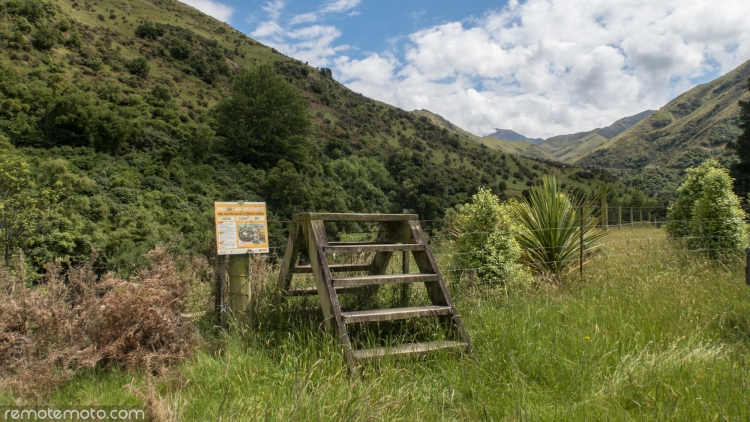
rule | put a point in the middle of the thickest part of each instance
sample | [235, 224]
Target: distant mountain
[509, 135]
[692, 127]
[568, 148]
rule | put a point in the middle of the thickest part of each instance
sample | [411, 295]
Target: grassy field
[650, 333]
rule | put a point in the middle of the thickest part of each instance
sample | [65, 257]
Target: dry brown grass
[74, 319]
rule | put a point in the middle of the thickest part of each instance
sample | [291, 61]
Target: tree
[485, 239]
[707, 214]
[24, 209]
[138, 67]
[265, 120]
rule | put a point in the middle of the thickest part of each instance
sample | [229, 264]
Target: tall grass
[649, 333]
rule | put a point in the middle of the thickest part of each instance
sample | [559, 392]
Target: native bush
[549, 221]
[485, 239]
[707, 214]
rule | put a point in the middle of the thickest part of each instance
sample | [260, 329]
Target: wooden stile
[398, 233]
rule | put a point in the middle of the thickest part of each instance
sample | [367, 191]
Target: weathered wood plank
[326, 291]
[290, 255]
[307, 269]
[356, 217]
[369, 280]
[312, 291]
[410, 348]
[376, 315]
[383, 247]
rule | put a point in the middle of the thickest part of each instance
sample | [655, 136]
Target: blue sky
[539, 67]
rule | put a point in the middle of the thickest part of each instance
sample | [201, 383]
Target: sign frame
[241, 228]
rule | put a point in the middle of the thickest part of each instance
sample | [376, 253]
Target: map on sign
[241, 227]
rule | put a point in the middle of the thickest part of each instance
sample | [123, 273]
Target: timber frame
[398, 233]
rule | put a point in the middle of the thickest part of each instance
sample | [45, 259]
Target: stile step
[403, 349]
[364, 248]
[376, 315]
[312, 291]
[335, 268]
[369, 280]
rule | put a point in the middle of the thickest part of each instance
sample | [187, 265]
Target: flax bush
[549, 224]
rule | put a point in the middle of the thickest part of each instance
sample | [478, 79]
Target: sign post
[241, 229]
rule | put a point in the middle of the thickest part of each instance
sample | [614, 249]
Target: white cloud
[547, 67]
[313, 43]
[218, 10]
[340, 6]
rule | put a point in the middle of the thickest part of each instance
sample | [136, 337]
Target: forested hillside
[109, 117]
[691, 128]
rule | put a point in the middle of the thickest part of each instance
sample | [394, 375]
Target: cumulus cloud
[313, 43]
[541, 67]
[218, 10]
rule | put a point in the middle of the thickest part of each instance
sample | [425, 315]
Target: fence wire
[631, 244]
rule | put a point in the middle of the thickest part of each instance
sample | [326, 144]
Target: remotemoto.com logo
[91, 414]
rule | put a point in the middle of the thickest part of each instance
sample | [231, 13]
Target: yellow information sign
[241, 227]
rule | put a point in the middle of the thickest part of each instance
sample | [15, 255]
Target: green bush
[550, 228]
[707, 214]
[485, 239]
[138, 67]
[44, 38]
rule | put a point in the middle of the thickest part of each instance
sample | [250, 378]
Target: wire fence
[631, 245]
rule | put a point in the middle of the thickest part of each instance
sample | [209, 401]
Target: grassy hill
[568, 148]
[694, 126]
[116, 101]
[522, 148]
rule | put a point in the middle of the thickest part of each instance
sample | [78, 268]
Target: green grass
[649, 333]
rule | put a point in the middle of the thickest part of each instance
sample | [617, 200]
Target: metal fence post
[580, 246]
[747, 266]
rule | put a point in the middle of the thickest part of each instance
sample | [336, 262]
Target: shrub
[89, 322]
[149, 30]
[707, 214]
[138, 67]
[485, 239]
[44, 38]
[549, 219]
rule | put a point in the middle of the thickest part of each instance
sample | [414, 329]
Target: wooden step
[335, 268]
[376, 315]
[355, 217]
[369, 280]
[382, 247]
[312, 291]
[403, 349]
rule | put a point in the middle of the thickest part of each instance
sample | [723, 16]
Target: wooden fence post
[219, 305]
[239, 288]
[747, 266]
[631, 217]
[619, 216]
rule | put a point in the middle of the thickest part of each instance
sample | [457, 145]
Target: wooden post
[605, 213]
[747, 266]
[580, 247]
[640, 215]
[619, 216]
[221, 273]
[649, 217]
[239, 288]
[406, 287]
[631, 216]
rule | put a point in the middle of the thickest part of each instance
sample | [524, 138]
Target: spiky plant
[550, 228]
